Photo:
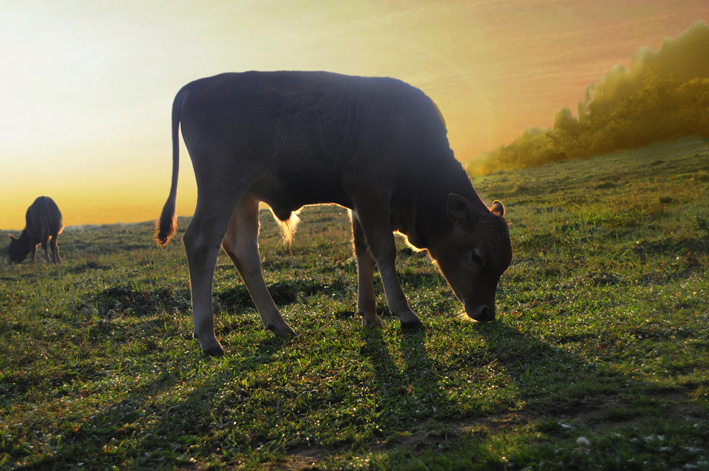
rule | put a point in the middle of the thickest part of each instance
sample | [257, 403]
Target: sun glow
[87, 87]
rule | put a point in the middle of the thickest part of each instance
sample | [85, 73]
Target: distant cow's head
[473, 255]
[19, 249]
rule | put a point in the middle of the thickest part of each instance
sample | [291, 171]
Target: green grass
[603, 334]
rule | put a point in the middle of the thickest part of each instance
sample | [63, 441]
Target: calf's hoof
[210, 347]
[215, 351]
[412, 324]
[282, 330]
[409, 320]
[371, 320]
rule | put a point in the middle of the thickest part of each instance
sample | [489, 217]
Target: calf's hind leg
[202, 240]
[241, 244]
[366, 301]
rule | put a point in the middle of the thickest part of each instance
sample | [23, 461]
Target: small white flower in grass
[583, 441]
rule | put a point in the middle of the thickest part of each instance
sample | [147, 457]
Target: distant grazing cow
[374, 145]
[43, 224]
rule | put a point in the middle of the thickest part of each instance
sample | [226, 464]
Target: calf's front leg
[374, 220]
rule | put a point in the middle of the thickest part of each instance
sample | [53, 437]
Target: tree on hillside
[663, 108]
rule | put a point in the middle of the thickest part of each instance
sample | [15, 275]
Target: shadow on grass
[548, 379]
[283, 293]
[184, 412]
[696, 247]
[167, 416]
[140, 302]
[406, 389]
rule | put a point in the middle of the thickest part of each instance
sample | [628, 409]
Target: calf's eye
[477, 257]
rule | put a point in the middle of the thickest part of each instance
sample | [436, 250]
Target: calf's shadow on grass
[405, 391]
[135, 301]
[237, 297]
[405, 379]
[529, 375]
[548, 379]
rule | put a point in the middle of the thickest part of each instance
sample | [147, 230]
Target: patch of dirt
[307, 460]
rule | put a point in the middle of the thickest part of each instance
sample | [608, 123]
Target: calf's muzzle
[482, 313]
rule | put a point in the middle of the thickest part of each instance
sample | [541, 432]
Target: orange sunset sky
[86, 87]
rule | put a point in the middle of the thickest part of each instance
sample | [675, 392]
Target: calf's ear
[458, 209]
[497, 208]
[12, 237]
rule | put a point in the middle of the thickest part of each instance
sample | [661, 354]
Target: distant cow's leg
[366, 301]
[46, 249]
[202, 240]
[241, 244]
[375, 222]
[54, 248]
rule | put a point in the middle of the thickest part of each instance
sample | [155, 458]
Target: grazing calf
[43, 224]
[377, 146]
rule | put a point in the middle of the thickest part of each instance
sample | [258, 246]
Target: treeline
[664, 108]
[664, 95]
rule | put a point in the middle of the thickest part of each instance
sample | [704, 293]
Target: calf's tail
[166, 225]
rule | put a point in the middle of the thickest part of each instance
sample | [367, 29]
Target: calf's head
[473, 254]
[19, 249]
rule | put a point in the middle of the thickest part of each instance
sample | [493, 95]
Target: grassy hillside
[598, 359]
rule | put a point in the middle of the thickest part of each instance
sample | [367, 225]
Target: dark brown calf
[374, 145]
[43, 225]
